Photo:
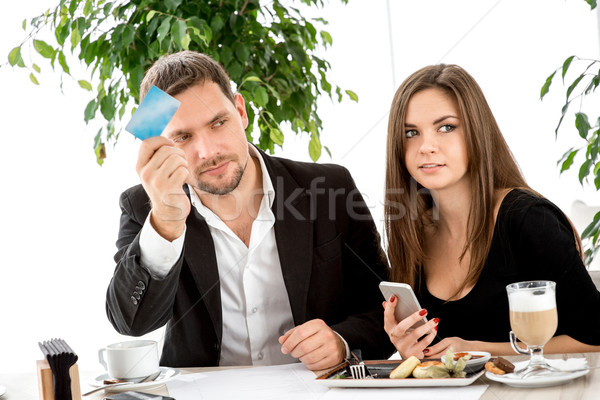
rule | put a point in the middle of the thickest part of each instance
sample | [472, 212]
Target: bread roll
[405, 369]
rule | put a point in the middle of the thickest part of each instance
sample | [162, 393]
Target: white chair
[581, 216]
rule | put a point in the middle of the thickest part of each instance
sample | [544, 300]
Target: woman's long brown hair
[491, 166]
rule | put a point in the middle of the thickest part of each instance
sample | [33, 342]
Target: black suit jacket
[330, 257]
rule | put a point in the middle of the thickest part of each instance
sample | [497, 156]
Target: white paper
[472, 392]
[290, 381]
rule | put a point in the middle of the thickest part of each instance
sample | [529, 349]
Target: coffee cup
[130, 359]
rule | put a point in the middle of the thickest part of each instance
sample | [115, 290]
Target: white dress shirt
[255, 303]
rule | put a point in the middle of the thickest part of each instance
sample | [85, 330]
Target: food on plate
[431, 369]
[405, 368]
[499, 366]
[467, 356]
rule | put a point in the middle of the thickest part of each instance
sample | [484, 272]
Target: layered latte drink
[533, 316]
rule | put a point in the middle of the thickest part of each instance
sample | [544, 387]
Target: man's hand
[315, 344]
[163, 170]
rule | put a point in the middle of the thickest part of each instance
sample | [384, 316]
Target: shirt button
[260, 356]
[134, 300]
[136, 295]
[141, 285]
[254, 310]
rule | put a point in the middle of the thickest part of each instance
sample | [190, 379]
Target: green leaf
[185, 42]
[584, 170]
[90, 111]
[326, 37]
[546, 86]
[75, 35]
[327, 150]
[36, 68]
[582, 124]
[569, 161]
[592, 3]
[85, 85]
[276, 136]
[562, 116]
[178, 31]
[33, 79]
[566, 65]
[352, 95]
[87, 9]
[107, 107]
[150, 14]
[43, 48]
[163, 29]
[217, 23]
[14, 57]
[242, 52]
[261, 97]
[573, 85]
[172, 4]
[314, 147]
[24, 24]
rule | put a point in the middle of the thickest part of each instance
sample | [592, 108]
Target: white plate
[2, 391]
[534, 382]
[474, 364]
[166, 374]
[408, 382]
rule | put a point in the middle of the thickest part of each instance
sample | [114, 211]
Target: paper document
[290, 382]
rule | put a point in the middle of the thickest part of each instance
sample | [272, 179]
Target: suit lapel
[202, 261]
[294, 235]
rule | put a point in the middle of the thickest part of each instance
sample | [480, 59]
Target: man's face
[210, 129]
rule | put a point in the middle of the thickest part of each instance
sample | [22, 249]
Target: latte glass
[533, 320]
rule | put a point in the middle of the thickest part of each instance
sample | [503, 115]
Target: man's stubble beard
[228, 187]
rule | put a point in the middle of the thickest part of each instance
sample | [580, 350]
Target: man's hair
[177, 72]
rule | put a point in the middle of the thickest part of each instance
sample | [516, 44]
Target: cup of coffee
[131, 359]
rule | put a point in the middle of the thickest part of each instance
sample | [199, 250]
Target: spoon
[148, 378]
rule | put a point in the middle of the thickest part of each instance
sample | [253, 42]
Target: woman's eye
[447, 128]
[411, 133]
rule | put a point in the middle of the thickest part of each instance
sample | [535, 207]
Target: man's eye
[447, 128]
[219, 123]
[411, 133]
[181, 139]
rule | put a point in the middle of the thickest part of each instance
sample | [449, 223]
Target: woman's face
[435, 151]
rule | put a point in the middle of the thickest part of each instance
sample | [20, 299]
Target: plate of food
[501, 370]
[475, 359]
[411, 372]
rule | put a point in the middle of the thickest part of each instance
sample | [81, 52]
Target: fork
[358, 371]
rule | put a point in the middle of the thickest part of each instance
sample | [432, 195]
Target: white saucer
[535, 381]
[166, 374]
[2, 391]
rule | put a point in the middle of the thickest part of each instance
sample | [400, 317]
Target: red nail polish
[436, 320]
[422, 312]
[393, 298]
[435, 327]
[425, 351]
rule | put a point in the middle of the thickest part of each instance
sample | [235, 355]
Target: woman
[462, 224]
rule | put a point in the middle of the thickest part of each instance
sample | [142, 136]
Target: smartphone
[407, 301]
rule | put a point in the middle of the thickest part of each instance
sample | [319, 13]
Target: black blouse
[532, 240]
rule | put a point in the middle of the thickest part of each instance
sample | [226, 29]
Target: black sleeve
[548, 251]
[136, 302]
[365, 266]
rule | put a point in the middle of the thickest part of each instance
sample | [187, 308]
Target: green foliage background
[267, 48]
[583, 84]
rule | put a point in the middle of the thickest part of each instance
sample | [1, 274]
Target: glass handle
[513, 343]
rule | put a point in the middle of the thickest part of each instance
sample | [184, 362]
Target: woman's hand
[439, 349]
[403, 336]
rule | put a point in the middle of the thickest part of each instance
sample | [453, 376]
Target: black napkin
[61, 357]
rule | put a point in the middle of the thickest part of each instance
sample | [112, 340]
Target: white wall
[59, 209]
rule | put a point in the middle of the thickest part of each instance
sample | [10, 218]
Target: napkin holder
[46, 381]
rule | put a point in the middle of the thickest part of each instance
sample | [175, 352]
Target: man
[248, 259]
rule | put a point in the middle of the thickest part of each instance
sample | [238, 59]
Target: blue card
[153, 115]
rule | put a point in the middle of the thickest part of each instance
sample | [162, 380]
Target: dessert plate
[545, 380]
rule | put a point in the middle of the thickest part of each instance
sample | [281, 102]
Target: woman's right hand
[403, 336]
